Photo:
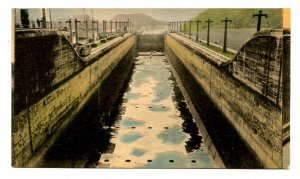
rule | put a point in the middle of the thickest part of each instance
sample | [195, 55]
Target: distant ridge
[139, 20]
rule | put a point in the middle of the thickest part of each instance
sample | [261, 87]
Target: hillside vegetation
[241, 18]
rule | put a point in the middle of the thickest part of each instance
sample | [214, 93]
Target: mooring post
[70, 26]
[208, 25]
[259, 15]
[76, 32]
[197, 34]
[226, 20]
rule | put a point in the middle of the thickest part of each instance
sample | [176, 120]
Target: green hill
[241, 18]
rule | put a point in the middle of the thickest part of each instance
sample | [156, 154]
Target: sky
[166, 14]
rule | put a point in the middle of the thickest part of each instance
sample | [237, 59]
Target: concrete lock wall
[37, 124]
[258, 122]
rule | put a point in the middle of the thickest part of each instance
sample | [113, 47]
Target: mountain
[241, 18]
[139, 20]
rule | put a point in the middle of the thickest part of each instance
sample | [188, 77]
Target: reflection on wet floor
[155, 128]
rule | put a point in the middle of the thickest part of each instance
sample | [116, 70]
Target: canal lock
[139, 118]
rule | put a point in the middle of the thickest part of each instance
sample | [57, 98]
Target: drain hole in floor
[133, 127]
[171, 161]
[149, 127]
[193, 161]
[166, 127]
[127, 160]
[149, 160]
[149, 107]
[106, 160]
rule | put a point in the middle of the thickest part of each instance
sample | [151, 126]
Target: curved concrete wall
[257, 120]
[56, 88]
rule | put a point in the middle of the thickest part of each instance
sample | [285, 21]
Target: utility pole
[225, 33]
[76, 31]
[124, 27]
[104, 27]
[259, 15]
[184, 28]
[97, 29]
[93, 35]
[44, 18]
[190, 33]
[208, 24]
[174, 26]
[50, 19]
[25, 18]
[110, 27]
[116, 27]
[120, 26]
[59, 25]
[86, 30]
[32, 24]
[197, 35]
[179, 26]
[127, 26]
[70, 26]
